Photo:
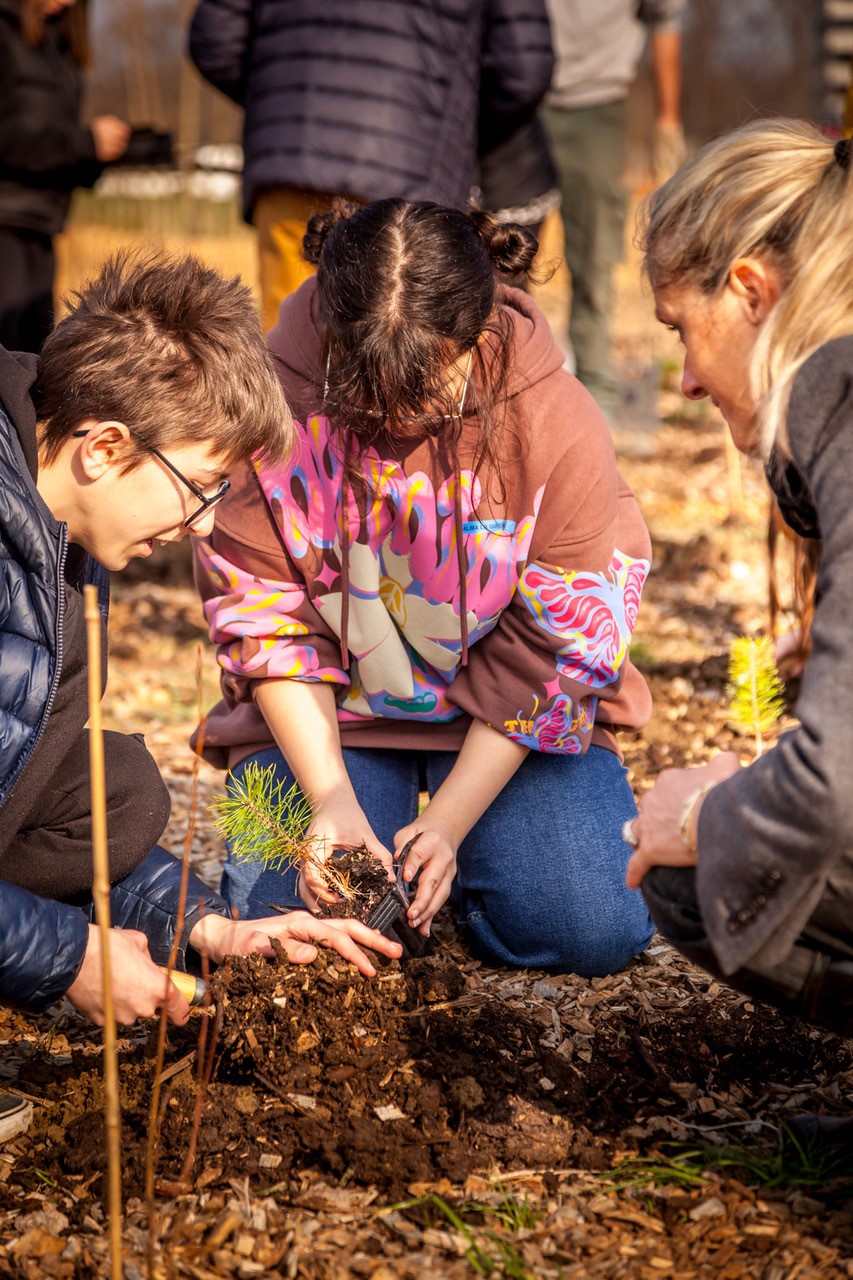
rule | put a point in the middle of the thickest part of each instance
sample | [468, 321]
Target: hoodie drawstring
[461, 557]
[344, 537]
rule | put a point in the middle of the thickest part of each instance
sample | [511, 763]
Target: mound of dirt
[399, 1080]
[405, 1079]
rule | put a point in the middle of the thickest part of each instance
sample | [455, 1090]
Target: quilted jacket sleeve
[148, 899]
[42, 945]
[219, 44]
[43, 942]
[518, 61]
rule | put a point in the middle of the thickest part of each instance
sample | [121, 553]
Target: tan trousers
[281, 217]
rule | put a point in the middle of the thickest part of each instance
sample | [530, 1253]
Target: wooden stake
[101, 896]
[154, 1109]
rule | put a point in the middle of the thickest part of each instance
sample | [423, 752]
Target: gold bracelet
[690, 810]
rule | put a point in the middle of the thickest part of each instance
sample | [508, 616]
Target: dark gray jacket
[376, 98]
[44, 150]
[770, 836]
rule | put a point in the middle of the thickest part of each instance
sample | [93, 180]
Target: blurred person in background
[370, 100]
[598, 49]
[44, 154]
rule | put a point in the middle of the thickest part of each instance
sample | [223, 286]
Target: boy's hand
[298, 932]
[140, 989]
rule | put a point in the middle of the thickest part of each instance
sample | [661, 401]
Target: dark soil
[405, 1079]
[365, 877]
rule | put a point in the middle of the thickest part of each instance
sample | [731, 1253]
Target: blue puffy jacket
[42, 942]
[374, 99]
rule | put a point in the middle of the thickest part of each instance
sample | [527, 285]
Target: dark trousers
[27, 270]
[815, 981]
[588, 144]
[46, 824]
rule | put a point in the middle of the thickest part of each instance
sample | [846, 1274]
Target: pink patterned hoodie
[369, 593]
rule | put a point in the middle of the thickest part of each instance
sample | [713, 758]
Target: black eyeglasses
[207, 500]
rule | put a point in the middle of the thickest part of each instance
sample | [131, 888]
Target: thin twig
[202, 1079]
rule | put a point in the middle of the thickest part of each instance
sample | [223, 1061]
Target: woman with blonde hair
[749, 251]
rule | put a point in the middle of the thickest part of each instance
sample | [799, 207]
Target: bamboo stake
[154, 1116]
[101, 896]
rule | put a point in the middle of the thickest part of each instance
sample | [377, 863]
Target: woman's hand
[298, 932]
[140, 989]
[657, 831]
[434, 855]
[340, 824]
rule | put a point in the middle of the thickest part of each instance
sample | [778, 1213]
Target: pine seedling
[263, 821]
[756, 692]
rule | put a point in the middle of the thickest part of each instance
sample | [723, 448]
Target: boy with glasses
[121, 434]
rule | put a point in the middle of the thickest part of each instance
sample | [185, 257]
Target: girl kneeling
[437, 593]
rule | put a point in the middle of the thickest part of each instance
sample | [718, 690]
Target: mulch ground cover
[447, 1118]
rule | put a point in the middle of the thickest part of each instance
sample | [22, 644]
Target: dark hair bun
[319, 226]
[511, 247]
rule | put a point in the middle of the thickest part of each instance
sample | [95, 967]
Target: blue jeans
[541, 877]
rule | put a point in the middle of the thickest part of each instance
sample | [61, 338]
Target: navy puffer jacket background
[373, 98]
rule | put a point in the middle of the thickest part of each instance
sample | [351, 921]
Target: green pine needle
[263, 822]
[756, 693]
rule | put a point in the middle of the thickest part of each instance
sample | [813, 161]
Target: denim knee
[551, 893]
[589, 938]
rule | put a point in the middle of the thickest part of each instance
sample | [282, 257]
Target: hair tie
[842, 152]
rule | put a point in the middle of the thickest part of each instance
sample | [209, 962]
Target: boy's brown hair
[170, 348]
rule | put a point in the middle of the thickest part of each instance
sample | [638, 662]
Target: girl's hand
[434, 855]
[299, 933]
[660, 840]
[338, 825]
